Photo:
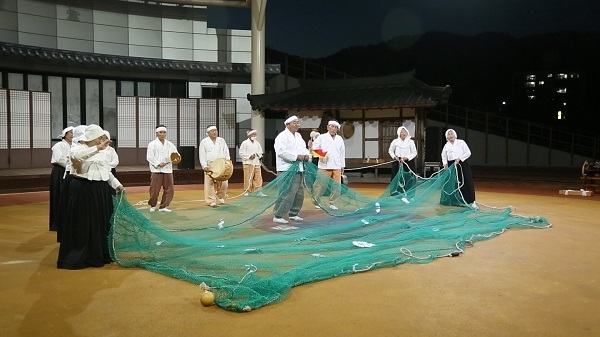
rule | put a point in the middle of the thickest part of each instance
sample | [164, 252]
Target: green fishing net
[249, 261]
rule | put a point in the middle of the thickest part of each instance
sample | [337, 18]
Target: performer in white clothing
[251, 152]
[289, 148]
[211, 148]
[84, 241]
[158, 155]
[404, 151]
[112, 158]
[59, 160]
[332, 165]
[456, 152]
[78, 134]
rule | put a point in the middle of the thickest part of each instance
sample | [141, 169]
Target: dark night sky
[317, 28]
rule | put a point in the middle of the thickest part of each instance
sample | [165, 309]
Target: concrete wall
[498, 151]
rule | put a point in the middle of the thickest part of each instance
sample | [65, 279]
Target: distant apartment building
[553, 96]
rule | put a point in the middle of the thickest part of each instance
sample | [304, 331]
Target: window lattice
[41, 120]
[227, 121]
[192, 116]
[126, 126]
[207, 115]
[20, 127]
[187, 122]
[3, 119]
[389, 132]
[147, 124]
[168, 117]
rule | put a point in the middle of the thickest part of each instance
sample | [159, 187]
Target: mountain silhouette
[486, 69]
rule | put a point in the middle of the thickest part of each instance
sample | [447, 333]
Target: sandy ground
[523, 283]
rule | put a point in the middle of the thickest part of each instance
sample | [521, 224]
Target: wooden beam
[220, 3]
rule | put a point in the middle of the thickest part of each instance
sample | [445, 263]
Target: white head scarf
[448, 131]
[405, 129]
[78, 133]
[92, 132]
[64, 131]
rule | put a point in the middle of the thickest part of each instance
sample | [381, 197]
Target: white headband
[334, 123]
[161, 128]
[210, 128]
[248, 133]
[289, 120]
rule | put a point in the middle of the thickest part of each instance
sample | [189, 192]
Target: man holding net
[289, 148]
[331, 165]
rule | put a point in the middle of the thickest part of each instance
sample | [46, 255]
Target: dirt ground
[523, 283]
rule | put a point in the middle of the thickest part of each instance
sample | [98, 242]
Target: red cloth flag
[319, 153]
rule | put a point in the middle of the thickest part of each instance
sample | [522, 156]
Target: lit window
[549, 75]
[574, 75]
[531, 97]
[541, 82]
[530, 84]
[530, 77]
[562, 76]
[561, 90]
[559, 115]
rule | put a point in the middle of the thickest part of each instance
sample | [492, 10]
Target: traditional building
[124, 65]
[369, 109]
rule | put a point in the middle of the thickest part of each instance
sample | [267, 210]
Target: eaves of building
[387, 92]
[48, 60]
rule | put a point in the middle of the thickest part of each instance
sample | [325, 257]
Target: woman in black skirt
[84, 241]
[59, 160]
[456, 152]
[404, 151]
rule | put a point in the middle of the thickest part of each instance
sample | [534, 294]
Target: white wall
[43, 24]
[512, 153]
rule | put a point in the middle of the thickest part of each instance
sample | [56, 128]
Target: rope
[365, 167]
[461, 182]
[354, 269]
[408, 253]
[263, 166]
[249, 183]
[267, 169]
[250, 268]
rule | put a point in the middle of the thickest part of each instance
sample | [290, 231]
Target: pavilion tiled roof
[393, 91]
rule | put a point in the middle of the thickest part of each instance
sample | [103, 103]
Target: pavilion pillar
[257, 84]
